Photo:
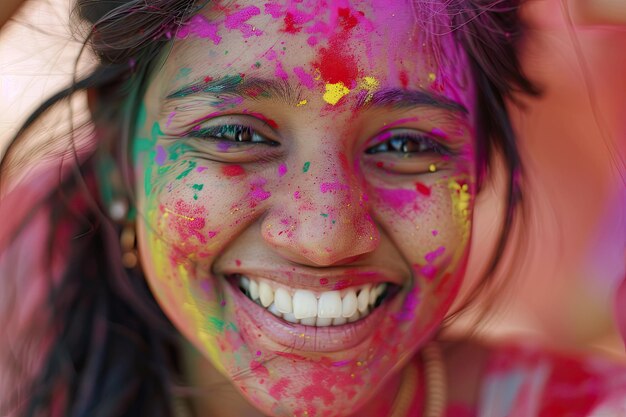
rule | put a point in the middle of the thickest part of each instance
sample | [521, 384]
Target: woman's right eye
[232, 133]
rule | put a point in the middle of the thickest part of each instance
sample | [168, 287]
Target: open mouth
[319, 309]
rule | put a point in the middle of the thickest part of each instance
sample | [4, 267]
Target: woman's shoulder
[527, 380]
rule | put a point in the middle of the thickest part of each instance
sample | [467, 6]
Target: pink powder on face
[432, 256]
[278, 389]
[188, 220]
[257, 192]
[160, 156]
[312, 40]
[282, 170]
[200, 27]
[326, 187]
[422, 189]
[273, 9]
[270, 55]
[304, 77]
[296, 195]
[397, 198]
[170, 117]
[238, 21]
[201, 169]
[280, 72]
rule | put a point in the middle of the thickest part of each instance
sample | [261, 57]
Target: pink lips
[256, 321]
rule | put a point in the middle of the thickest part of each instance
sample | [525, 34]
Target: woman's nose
[319, 220]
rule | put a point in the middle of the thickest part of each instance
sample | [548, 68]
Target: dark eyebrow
[257, 88]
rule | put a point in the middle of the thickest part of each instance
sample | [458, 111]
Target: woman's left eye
[232, 133]
[408, 144]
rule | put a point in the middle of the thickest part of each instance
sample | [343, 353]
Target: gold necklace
[434, 385]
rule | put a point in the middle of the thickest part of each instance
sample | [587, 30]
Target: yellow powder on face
[301, 103]
[432, 167]
[334, 92]
[461, 199]
[370, 84]
[432, 77]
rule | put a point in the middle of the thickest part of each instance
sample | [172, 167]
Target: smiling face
[317, 159]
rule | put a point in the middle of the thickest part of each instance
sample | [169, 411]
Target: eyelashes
[403, 143]
[236, 133]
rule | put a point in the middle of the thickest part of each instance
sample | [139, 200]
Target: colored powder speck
[404, 79]
[432, 76]
[432, 256]
[335, 65]
[200, 27]
[238, 21]
[278, 389]
[201, 169]
[304, 77]
[212, 234]
[301, 103]
[422, 189]
[257, 192]
[438, 132]
[280, 72]
[290, 24]
[198, 187]
[282, 170]
[335, 92]
[170, 117]
[273, 10]
[160, 156]
[324, 214]
[370, 84]
[233, 170]
[432, 167]
[192, 165]
[312, 41]
[397, 198]
[326, 187]
[296, 195]
[323, 281]
[306, 166]
[435, 232]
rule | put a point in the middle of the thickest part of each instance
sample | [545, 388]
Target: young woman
[299, 179]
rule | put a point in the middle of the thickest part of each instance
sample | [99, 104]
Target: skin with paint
[323, 152]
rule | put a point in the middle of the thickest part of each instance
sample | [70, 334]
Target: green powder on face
[192, 165]
[306, 166]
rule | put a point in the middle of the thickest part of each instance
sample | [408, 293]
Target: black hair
[112, 351]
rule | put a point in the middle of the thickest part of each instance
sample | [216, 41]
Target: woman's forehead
[334, 48]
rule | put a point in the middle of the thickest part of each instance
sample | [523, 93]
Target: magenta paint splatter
[435, 232]
[160, 156]
[201, 169]
[429, 271]
[312, 40]
[237, 262]
[438, 132]
[238, 21]
[326, 187]
[282, 170]
[280, 72]
[200, 27]
[270, 55]
[188, 220]
[422, 189]
[273, 9]
[212, 234]
[170, 117]
[432, 256]
[305, 78]
[296, 195]
[257, 192]
[278, 389]
[397, 198]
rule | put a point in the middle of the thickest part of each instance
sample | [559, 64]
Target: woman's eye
[409, 144]
[232, 133]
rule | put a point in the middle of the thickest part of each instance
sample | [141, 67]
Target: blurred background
[571, 256]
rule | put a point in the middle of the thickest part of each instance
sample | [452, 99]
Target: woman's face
[305, 173]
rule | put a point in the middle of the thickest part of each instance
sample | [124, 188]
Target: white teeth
[363, 299]
[266, 294]
[283, 301]
[290, 318]
[308, 321]
[330, 309]
[304, 304]
[254, 290]
[323, 322]
[349, 304]
[339, 321]
[272, 309]
[329, 305]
